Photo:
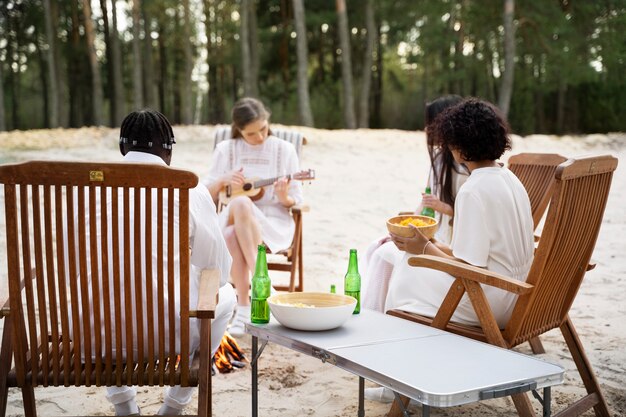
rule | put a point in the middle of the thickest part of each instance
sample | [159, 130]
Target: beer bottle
[332, 289]
[352, 281]
[427, 211]
[261, 285]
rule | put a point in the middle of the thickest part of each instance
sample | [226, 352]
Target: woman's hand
[233, 178]
[281, 191]
[432, 201]
[414, 244]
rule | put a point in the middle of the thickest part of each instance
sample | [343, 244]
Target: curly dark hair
[475, 128]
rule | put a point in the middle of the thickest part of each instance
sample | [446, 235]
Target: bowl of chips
[399, 225]
[311, 311]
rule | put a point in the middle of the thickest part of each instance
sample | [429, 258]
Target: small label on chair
[96, 176]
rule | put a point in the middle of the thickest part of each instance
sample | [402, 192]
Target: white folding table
[437, 368]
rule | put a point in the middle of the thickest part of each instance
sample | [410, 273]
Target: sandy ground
[363, 177]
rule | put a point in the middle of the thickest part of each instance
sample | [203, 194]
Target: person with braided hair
[146, 136]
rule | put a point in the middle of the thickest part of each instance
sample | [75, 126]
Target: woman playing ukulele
[253, 152]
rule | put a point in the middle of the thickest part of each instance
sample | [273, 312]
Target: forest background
[553, 66]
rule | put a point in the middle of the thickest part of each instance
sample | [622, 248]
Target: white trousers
[178, 397]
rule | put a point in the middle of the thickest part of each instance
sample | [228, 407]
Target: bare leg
[239, 271]
[247, 233]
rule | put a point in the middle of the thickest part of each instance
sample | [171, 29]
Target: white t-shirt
[493, 228]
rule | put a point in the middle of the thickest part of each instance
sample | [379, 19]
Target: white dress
[493, 228]
[273, 158]
[382, 254]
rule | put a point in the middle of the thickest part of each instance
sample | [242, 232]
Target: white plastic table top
[432, 366]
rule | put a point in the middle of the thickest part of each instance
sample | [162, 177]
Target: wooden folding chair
[72, 284]
[573, 222]
[290, 259]
[536, 172]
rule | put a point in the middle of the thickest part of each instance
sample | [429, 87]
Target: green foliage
[569, 70]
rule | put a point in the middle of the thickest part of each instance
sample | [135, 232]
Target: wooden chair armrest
[208, 289]
[300, 208]
[473, 273]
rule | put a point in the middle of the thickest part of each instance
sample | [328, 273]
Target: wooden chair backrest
[54, 211]
[293, 137]
[572, 225]
[536, 172]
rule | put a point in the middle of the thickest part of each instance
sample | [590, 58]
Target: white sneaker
[379, 394]
[238, 325]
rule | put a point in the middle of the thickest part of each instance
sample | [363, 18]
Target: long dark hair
[441, 159]
[246, 111]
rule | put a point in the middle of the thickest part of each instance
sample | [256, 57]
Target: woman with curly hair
[493, 225]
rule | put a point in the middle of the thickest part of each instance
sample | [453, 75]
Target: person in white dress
[444, 179]
[146, 136]
[493, 225]
[253, 153]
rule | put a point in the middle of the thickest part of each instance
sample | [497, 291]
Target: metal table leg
[547, 399]
[361, 412]
[255, 382]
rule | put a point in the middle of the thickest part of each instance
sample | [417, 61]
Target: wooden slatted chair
[289, 260]
[536, 172]
[67, 224]
[571, 229]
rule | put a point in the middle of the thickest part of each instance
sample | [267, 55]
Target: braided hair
[146, 130]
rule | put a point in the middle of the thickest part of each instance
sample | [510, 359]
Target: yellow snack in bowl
[298, 305]
[415, 222]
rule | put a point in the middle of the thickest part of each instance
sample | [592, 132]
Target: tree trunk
[304, 102]
[76, 113]
[3, 123]
[244, 39]
[506, 88]
[162, 71]
[346, 65]
[366, 78]
[253, 34]
[560, 103]
[107, 41]
[53, 89]
[43, 75]
[138, 101]
[148, 67]
[118, 101]
[96, 82]
[185, 96]
[378, 84]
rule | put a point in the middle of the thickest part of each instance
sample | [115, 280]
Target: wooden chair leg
[523, 406]
[536, 345]
[28, 397]
[395, 410]
[204, 383]
[300, 266]
[594, 393]
[6, 355]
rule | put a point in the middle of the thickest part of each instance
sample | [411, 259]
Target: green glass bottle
[427, 211]
[352, 281]
[332, 289]
[261, 286]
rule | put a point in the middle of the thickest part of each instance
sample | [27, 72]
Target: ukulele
[253, 187]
